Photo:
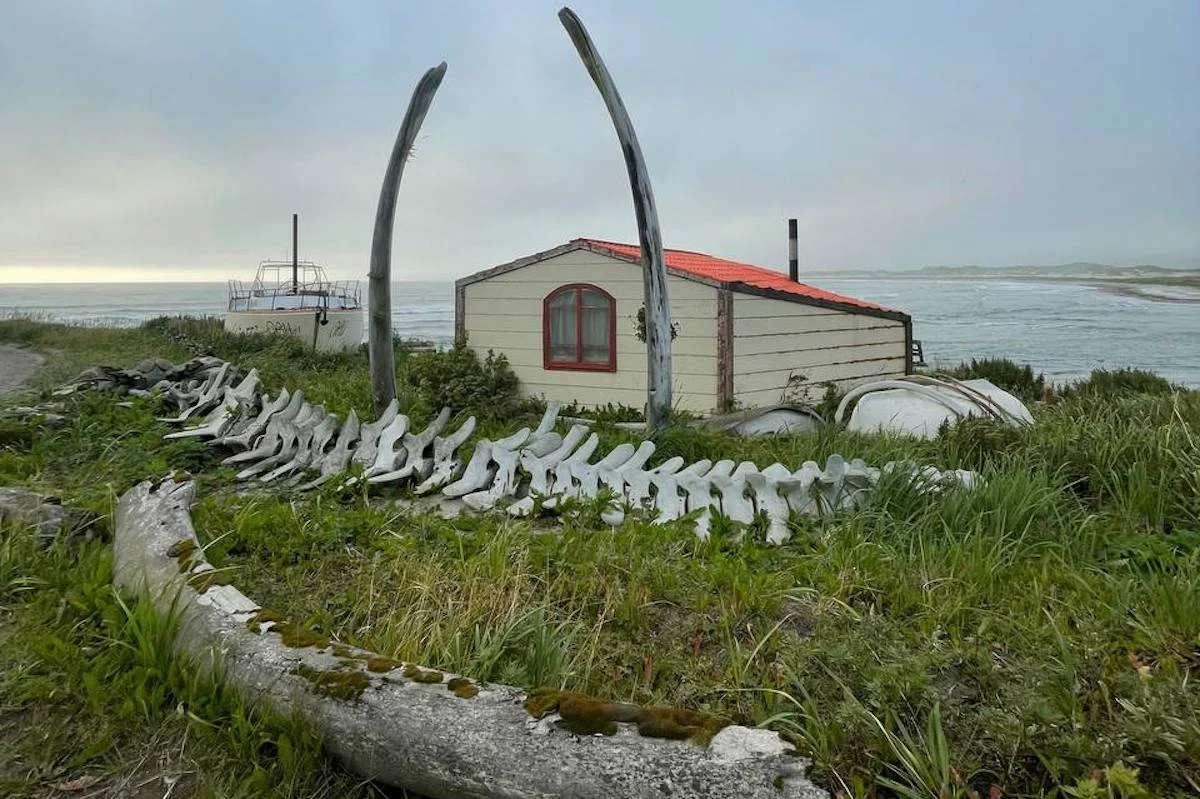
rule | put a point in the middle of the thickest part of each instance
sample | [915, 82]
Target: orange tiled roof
[713, 268]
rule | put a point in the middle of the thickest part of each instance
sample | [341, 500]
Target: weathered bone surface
[920, 404]
[539, 469]
[387, 455]
[412, 461]
[369, 443]
[337, 459]
[419, 734]
[446, 465]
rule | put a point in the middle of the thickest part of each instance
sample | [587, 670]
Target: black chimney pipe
[793, 252]
[296, 256]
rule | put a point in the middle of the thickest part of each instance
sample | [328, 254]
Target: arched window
[579, 329]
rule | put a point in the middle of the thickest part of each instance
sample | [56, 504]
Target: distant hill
[1077, 269]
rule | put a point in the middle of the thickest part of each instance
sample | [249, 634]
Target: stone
[22, 506]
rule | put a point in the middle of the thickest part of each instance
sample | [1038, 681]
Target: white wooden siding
[504, 313]
[775, 341]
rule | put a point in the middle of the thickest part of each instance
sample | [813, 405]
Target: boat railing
[316, 294]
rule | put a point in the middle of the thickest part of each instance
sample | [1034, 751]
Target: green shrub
[1122, 381]
[607, 413]
[974, 442]
[1019, 381]
[458, 378]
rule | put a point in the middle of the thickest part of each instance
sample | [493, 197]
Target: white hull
[343, 329]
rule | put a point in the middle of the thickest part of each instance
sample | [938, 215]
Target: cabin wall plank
[783, 348]
[504, 313]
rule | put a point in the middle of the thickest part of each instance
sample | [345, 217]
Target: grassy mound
[1039, 635]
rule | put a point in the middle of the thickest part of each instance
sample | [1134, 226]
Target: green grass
[92, 694]
[1040, 634]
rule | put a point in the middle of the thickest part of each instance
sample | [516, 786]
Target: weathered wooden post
[654, 272]
[379, 286]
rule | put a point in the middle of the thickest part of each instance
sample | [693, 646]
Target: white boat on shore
[299, 300]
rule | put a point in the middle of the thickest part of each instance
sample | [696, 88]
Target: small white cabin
[567, 319]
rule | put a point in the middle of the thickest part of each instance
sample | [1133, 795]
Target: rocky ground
[16, 366]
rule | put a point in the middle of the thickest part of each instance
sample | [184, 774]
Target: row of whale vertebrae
[528, 471]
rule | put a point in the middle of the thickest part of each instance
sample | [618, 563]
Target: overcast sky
[174, 139]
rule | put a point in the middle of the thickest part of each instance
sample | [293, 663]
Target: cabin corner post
[654, 273]
[379, 285]
[460, 313]
[908, 346]
[724, 350]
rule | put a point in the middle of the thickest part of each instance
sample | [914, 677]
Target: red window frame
[579, 364]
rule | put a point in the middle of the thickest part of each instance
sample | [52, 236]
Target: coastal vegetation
[1038, 636]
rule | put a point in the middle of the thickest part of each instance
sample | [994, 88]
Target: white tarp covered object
[918, 405]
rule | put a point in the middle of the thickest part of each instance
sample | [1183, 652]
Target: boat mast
[295, 255]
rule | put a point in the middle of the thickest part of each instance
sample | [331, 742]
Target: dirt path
[16, 366]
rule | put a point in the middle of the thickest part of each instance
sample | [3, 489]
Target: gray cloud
[183, 135]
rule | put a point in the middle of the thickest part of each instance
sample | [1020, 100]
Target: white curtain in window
[596, 332]
[562, 327]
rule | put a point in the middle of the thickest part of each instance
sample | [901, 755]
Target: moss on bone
[297, 635]
[202, 581]
[336, 684]
[290, 633]
[181, 547]
[462, 687]
[418, 674]
[381, 664]
[587, 715]
[184, 552]
[265, 615]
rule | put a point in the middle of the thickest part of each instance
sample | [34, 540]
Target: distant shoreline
[1135, 286]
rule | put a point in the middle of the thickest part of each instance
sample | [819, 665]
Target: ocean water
[419, 310]
[1063, 329]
